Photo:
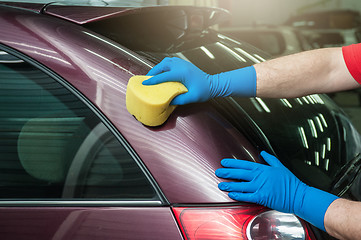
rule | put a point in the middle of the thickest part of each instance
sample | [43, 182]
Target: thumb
[163, 66]
[162, 77]
[271, 160]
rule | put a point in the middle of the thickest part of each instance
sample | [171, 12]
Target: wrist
[313, 206]
[240, 82]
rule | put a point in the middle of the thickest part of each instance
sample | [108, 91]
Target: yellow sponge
[149, 104]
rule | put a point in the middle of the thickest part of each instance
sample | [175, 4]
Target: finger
[244, 187]
[163, 66]
[243, 197]
[237, 174]
[162, 77]
[271, 160]
[237, 163]
[183, 99]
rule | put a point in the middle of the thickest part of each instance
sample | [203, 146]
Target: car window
[53, 146]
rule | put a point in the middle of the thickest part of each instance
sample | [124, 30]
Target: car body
[76, 165]
[275, 40]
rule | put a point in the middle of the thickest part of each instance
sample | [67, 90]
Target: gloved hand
[274, 186]
[201, 86]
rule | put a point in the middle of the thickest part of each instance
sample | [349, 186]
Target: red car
[76, 165]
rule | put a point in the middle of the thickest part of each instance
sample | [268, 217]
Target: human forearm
[316, 71]
[343, 219]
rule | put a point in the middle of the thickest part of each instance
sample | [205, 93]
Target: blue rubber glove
[201, 86]
[274, 186]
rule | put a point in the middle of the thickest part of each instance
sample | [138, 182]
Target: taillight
[246, 222]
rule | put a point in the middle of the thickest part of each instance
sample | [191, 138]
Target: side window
[53, 146]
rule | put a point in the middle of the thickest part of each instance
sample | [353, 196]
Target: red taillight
[246, 222]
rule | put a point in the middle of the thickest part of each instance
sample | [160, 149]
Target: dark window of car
[52, 145]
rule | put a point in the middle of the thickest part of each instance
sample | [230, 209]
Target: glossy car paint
[190, 144]
[100, 69]
[131, 223]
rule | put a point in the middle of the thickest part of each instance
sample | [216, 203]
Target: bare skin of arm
[343, 219]
[310, 72]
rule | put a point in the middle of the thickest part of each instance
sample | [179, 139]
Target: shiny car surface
[76, 165]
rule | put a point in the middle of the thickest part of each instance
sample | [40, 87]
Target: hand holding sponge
[150, 104]
[150, 99]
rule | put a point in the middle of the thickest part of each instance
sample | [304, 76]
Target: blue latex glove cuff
[240, 82]
[315, 205]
